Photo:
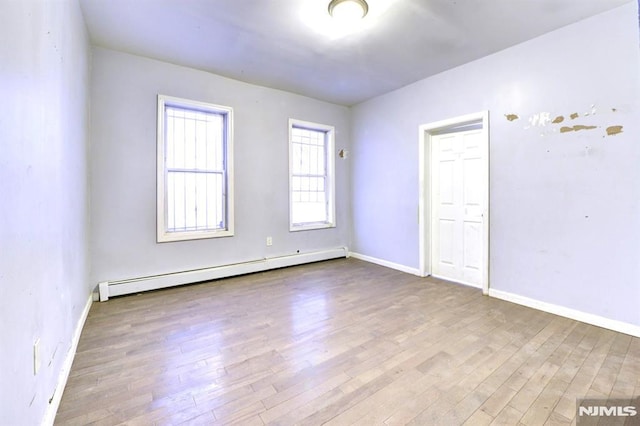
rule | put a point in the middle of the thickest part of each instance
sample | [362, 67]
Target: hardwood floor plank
[337, 342]
[556, 419]
[479, 418]
[350, 399]
[294, 402]
[508, 416]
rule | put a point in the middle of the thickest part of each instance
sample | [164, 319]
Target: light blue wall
[565, 207]
[44, 287]
[123, 169]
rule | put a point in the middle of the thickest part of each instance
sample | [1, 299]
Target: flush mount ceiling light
[351, 10]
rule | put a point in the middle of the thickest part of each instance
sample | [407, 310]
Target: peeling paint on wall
[540, 119]
[592, 112]
[549, 126]
[577, 127]
[614, 130]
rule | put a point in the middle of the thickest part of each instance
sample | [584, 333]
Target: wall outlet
[269, 241]
[36, 356]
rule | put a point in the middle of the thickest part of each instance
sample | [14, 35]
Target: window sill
[311, 226]
[168, 237]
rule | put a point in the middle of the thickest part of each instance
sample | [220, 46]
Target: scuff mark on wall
[558, 119]
[574, 115]
[614, 130]
[511, 117]
[577, 127]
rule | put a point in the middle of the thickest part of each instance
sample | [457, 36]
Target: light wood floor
[340, 342]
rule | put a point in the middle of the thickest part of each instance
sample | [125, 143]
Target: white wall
[565, 207]
[44, 72]
[123, 169]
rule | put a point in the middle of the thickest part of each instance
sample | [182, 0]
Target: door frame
[426, 132]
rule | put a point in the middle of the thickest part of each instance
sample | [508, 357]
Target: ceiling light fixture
[348, 10]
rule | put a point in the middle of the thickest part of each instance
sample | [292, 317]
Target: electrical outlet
[269, 241]
[36, 356]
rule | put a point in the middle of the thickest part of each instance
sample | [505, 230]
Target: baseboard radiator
[136, 285]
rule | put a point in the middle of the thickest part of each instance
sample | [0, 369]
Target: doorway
[454, 200]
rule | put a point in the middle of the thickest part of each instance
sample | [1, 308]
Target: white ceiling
[285, 44]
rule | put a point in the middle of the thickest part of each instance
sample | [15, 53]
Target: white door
[457, 186]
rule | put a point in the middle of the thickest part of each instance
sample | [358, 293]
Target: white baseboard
[619, 326]
[140, 284]
[622, 327]
[386, 263]
[54, 404]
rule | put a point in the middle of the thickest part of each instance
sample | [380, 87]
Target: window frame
[329, 132]
[162, 234]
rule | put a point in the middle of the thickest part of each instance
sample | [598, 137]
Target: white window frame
[164, 235]
[329, 132]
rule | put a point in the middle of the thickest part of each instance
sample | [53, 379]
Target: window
[311, 176]
[195, 175]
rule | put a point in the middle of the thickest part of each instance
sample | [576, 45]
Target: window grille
[194, 146]
[311, 175]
